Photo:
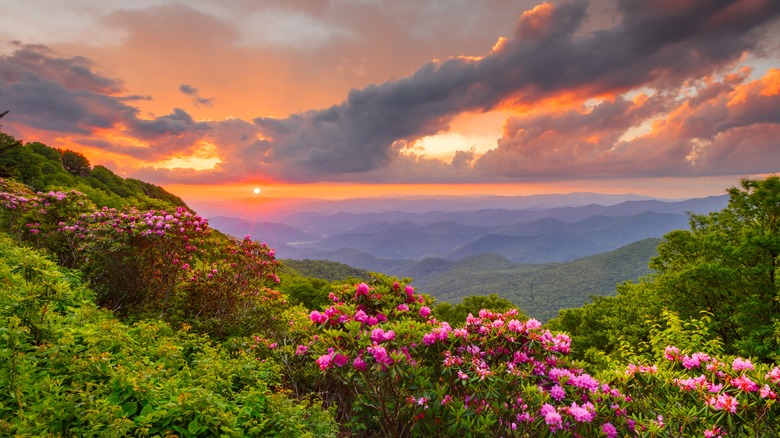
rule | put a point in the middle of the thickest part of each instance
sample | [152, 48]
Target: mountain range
[384, 241]
[541, 258]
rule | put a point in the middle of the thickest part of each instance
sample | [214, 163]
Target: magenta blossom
[359, 364]
[740, 364]
[361, 289]
[609, 430]
[317, 317]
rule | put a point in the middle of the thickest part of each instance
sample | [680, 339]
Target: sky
[345, 98]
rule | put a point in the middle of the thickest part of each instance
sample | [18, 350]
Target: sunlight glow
[469, 130]
[204, 158]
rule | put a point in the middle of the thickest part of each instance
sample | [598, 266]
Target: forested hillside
[43, 168]
[540, 290]
[140, 320]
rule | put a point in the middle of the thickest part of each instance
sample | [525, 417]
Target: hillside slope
[539, 290]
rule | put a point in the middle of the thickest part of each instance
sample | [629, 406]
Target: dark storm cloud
[66, 95]
[175, 124]
[655, 44]
[57, 94]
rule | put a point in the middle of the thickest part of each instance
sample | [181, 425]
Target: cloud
[725, 129]
[667, 71]
[660, 46]
[197, 99]
[58, 94]
[69, 97]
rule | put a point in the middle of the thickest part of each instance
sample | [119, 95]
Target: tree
[75, 163]
[727, 265]
[7, 143]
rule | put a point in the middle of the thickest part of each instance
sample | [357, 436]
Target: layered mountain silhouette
[543, 259]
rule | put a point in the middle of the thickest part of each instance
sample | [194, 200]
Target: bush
[74, 370]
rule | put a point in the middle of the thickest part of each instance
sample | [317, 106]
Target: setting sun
[256, 190]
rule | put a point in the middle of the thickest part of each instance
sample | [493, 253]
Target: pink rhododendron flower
[317, 317]
[744, 383]
[359, 364]
[533, 324]
[360, 316]
[361, 289]
[340, 360]
[713, 432]
[672, 353]
[609, 430]
[380, 354]
[723, 402]
[584, 381]
[378, 335]
[429, 339]
[774, 375]
[691, 384]
[741, 364]
[766, 392]
[515, 325]
[301, 350]
[695, 360]
[551, 416]
[324, 360]
[557, 392]
[425, 311]
[583, 414]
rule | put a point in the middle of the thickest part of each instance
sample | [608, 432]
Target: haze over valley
[542, 252]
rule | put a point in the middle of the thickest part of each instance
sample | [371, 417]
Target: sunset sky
[343, 98]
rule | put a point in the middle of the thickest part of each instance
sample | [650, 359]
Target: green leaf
[193, 427]
[129, 408]
[148, 409]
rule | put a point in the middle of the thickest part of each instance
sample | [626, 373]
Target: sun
[256, 190]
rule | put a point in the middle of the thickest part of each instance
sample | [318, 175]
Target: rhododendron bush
[395, 368]
[390, 366]
[162, 263]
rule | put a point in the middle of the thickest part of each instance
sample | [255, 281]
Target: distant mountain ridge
[540, 290]
[317, 223]
[268, 231]
[265, 209]
[384, 241]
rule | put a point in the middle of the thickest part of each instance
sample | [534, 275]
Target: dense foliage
[44, 168]
[724, 271]
[137, 319]
[540, 289]
[154, 263]
[72, 369]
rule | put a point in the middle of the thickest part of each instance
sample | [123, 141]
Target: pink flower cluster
[722, 388]
[398, 334]
[145, 223]
[331, 359]
[643, 369]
